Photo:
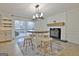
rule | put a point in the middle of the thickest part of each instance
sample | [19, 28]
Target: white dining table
[37, 32]
[43, 39]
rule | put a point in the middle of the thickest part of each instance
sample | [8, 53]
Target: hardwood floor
[11, 48]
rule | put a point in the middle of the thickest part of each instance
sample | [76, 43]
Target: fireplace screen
[55, 33]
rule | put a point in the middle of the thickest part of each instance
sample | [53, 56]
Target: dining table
[37, 32]
[46, 40]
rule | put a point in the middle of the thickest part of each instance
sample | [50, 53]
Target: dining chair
[45, 48]
[28, 41]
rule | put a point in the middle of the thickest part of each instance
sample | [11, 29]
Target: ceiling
[28, 9]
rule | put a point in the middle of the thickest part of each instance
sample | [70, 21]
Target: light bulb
[41, 14]
[33, 17]
[37, 15]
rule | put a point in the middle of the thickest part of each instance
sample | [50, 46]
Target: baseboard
[64, 40]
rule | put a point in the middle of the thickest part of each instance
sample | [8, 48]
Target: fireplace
[55, 33]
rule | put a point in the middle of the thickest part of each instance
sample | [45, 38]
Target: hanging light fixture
[38, 14]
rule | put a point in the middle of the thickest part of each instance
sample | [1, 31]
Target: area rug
[35, 52]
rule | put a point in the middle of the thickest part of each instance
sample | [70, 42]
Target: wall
[73, 26]
[70, 31]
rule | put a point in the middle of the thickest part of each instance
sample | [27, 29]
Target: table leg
[24, 43]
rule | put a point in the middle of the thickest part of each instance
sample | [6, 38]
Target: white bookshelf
[5, 29]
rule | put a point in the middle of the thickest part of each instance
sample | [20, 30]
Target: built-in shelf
[56, 24]
[5, 29]
[7, 20]
[7, 23]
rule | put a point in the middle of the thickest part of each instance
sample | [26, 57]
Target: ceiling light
[38, 14]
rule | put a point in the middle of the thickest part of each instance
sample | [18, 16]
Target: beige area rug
[57, 48]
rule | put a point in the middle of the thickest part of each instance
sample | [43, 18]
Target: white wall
[73, 26]
[70, 31]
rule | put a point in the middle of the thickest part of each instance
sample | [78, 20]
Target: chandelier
[38, 14]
